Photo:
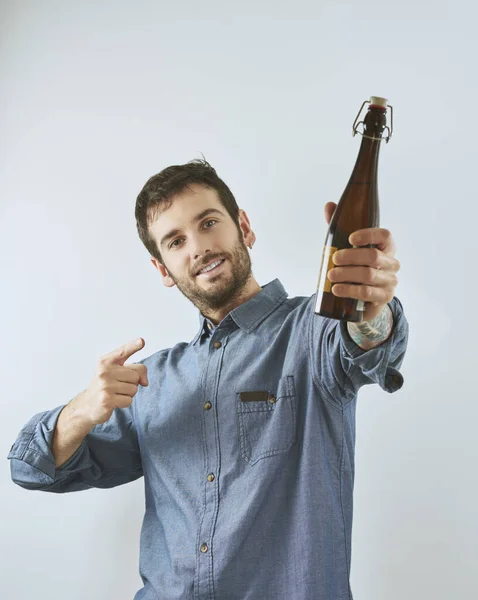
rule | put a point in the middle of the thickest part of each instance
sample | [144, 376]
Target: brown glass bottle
[358, 208]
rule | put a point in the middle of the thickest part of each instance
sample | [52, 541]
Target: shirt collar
[250, 314]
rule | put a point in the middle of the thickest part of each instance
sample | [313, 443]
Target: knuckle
[104, 387]
[135, 374]
[102, 377]
[103, 397]
[371, 273]
[131, 393]
[102, 367]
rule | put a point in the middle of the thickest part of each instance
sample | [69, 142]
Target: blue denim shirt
[245, 438]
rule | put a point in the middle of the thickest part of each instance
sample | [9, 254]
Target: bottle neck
[365, 170]
[366, 165]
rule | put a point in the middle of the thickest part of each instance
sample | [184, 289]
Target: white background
[95, 97]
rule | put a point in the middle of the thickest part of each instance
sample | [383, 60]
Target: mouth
[218, 266]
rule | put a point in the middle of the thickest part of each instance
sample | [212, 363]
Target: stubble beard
[226, 290]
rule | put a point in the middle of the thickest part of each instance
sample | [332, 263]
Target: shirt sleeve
[108, 456]
[342, 367]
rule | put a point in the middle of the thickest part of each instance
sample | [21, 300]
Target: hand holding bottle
[372, 270]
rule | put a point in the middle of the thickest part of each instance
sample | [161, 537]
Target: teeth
[211, 266]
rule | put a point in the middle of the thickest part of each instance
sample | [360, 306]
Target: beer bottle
[358, 208]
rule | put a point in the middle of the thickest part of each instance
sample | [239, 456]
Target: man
[245, 436]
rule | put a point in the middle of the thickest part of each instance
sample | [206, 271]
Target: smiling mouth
[212, 271]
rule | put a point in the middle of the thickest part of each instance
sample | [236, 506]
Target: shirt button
[204, 548]
[272, 399]
[207, 405]
[211, 477]
[217, 345]
[209, 326]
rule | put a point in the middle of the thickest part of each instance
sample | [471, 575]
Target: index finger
[382, 238]
[121, 354]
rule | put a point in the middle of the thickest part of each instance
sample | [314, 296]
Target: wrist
[75, 415]
[369, 334]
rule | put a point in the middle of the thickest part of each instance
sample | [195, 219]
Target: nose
[197, 259]
[197, 254]
[199, 247]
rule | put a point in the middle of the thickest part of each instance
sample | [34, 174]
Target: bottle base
[340, 317]
[341, 309]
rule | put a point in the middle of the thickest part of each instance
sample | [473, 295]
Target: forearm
[369, 334]
[70, 430]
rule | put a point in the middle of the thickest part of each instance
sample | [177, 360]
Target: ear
[168, 282]
[247, 233]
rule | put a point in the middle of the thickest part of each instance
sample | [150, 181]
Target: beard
[224, 290]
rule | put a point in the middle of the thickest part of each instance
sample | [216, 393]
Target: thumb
[329, 210]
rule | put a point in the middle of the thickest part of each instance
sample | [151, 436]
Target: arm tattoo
[372, 333]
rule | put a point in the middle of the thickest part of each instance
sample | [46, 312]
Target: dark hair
[158, 190]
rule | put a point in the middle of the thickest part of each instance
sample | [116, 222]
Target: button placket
[212, 466]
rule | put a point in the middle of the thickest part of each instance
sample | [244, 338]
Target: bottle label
[325, 285]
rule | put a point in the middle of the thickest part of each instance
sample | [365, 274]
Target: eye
[175, 245]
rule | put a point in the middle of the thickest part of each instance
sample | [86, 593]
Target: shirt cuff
[32, 449]
[379, 364]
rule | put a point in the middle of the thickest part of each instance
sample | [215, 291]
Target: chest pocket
[267, 420]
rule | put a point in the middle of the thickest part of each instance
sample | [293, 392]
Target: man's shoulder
[299, 304]
[160, 357]
[293, 313]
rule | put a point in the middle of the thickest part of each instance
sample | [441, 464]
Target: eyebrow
[196, 219]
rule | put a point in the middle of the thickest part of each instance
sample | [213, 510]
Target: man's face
[195, 231]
